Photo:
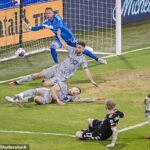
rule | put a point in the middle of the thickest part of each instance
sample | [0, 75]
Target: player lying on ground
[64, 70]
[59, 93]
[103, 129]
[147, 110]
[53, 22]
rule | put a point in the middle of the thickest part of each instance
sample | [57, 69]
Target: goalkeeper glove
[48, 27]
[28, 27]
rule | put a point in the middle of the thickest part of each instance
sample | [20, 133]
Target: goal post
[118, 28]
[97, 22]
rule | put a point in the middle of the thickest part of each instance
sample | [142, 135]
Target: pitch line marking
[5, 81]
[68, 135]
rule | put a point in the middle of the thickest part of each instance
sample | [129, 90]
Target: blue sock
[90, 54]
[54, 54]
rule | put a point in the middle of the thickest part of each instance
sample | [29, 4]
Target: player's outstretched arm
[114, 137]
[90, 77]
[61, 39]
[54, 90]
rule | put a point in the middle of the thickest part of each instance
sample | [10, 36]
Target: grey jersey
[63, 93]
[147, 105]
[70, 65]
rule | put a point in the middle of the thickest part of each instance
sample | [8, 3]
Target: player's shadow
[117, 146]
[79, 81]
[126, 62]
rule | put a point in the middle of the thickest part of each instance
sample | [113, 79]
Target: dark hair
[79, 89]
[48, 8]
[110, 104]
[81, 43]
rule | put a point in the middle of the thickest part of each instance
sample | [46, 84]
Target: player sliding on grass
[64, 70]
[59, 93]
[147, 110]
[54, 22]
[103, 129]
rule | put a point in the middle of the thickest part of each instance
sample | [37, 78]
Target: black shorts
[93, 133]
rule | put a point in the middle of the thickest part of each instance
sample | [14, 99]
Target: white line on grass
[5, 81]
[68, 135]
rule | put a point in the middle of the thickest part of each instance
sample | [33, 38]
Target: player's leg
[93, 56]
[42, 96]
[79, 134]
[23, 97]
[27, 78]
[90, 122]
[148, 117]
[46, 73]
[55, 44]
[47, 82]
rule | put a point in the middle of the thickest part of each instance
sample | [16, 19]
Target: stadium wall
[79, 20]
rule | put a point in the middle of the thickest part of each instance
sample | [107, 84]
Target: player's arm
[114, 137]
[61, 39]
[90, 77]
[54, 90]
[28, 27]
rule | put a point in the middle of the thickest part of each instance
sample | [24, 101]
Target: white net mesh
[91, 21]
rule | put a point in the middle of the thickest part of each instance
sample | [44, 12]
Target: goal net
[91, 21]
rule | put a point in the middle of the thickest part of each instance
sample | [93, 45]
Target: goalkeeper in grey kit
[103, 129]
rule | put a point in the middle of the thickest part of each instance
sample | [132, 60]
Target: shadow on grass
[126, 62]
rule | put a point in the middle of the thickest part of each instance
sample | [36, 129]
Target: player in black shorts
[102, 130]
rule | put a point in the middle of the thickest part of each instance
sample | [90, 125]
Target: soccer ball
[20, 52]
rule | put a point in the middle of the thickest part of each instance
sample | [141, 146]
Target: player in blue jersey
[54, 22]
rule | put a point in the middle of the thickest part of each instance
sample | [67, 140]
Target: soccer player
[64, 70]
[103, 129]
[54, 22]
[147, 110]
[59, 93]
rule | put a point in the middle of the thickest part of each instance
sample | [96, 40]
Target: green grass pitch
[126, 79]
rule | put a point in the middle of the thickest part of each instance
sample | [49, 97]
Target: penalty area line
[68, 135]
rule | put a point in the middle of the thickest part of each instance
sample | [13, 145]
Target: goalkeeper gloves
[28, 27]
[48, 27]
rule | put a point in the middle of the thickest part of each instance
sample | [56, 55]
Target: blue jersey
[57, 23]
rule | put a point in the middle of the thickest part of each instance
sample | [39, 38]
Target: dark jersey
[111, 120]
[101, 130]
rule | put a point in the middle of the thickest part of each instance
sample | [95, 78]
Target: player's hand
[48, 27]
[27, 27]
[94, 83]
[110, 145]
[58, 32]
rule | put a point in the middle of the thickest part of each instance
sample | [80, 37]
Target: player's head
[49, 13]
[74, 91]
[110, 105]
[80, 47]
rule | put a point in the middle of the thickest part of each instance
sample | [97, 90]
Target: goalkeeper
[53, 22]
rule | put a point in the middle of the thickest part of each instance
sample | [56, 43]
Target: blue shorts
[71, 43]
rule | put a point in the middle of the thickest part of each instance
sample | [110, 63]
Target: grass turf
[125, 79]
